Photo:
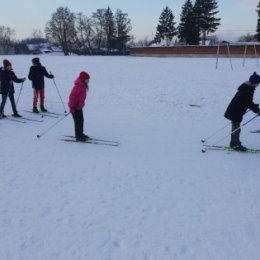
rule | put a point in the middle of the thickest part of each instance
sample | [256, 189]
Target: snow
[156, 196]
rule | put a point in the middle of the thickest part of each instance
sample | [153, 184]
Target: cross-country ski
[227, 149]
[94, 139]
[90, 141]
[18, 120]
[43, 114]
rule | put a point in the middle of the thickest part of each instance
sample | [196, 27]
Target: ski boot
[35, 110]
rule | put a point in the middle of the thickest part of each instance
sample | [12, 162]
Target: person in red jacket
[76, 103]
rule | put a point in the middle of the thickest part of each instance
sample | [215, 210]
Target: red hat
[6, 63]
[84, 75]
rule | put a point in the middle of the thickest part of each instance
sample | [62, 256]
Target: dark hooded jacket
[242, 101]
[7, 77]
[36, 75]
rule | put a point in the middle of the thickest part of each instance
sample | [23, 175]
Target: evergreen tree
[166, 27]
[188, 31]
[109, 29]
[123, 27]
[205, 11]
[257, 36]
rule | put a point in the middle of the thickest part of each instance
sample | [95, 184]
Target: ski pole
[236, 129]
[210, 136]
[48, 129]
[217, 131]
[59, 94]
[19, 94]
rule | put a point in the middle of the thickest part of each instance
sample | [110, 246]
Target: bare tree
[61, 29]
[99, 25]
[247, 38]
[37, 34]
[85, 34]
[6, 37]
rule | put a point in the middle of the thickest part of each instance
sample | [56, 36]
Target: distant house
[42, 48]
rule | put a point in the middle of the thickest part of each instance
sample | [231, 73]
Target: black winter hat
[254, 79]
[36, 60]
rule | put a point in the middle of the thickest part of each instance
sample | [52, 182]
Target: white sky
[238, 16]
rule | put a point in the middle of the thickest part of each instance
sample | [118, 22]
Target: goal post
[239, 51]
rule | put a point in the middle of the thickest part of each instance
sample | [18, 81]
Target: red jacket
[77, 96]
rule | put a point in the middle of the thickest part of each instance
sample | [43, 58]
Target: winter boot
[2, 115]
[85, 136]
[16, 115]
[234, 143]
[81, 138]
[240, 148]
[43, 109]
[35, 110]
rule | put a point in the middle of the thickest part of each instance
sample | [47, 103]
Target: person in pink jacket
[76, 103]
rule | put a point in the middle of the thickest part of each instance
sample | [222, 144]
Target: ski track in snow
[156, 196]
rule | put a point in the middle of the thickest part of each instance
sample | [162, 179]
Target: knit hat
[6, 63]
[84, 75]
[36, 60]
[254, 79]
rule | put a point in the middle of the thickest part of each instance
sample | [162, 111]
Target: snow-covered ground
[156, 196]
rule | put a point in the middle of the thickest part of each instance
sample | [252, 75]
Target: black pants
[78, 122]
[4, 98]
[235, 134]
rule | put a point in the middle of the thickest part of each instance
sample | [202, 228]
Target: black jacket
[242, 101]
[36, 75]
[7, 77]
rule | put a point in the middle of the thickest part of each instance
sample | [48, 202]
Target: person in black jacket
[238, 106]
[36, 75]
[7, 77]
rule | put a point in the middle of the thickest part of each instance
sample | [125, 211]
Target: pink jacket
[77, 96]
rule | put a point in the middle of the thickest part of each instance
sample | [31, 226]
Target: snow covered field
[156, 196]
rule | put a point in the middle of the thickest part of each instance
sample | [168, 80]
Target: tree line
[107, 32]
[80, 34]
[196, 22]
[102, 32]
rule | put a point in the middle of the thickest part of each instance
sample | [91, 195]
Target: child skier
[36, 75]
[242, 101]
[7, 77]
[76, 103]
